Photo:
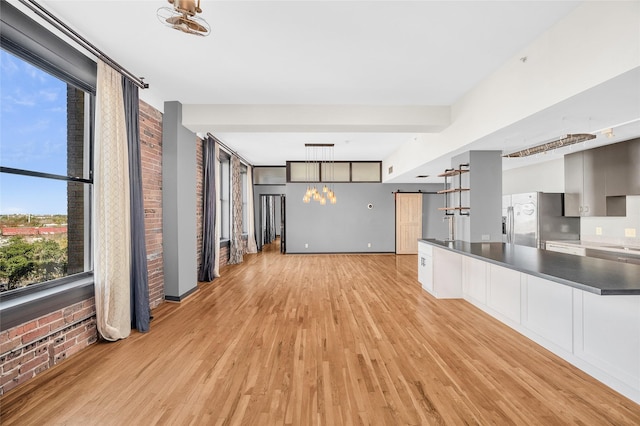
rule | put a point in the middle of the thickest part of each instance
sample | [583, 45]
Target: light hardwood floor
[328, 339]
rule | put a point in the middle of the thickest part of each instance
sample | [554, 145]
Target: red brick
[48, 319]
[31, 325]
[10, 364]
[32, 364]
[8, 376]
[15, 331]
[35, 334]
[8, 386]
[84, 312]
[10, 345]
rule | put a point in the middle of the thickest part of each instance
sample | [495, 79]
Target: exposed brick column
[199, 197]
[151, 159]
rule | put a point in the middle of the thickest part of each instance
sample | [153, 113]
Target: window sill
[24, 306]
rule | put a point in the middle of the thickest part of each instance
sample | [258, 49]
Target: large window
[45, 176]
[245, 198]
[225, 196]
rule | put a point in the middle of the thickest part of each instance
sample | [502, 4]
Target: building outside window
[45, 176]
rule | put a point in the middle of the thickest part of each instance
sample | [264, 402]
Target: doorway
[272, 220]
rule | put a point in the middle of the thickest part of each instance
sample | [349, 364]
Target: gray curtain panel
[236, 249]
[140, 311]
[268, 219]
[207, 262]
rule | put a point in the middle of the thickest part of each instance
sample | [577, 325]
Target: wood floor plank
[317, 340]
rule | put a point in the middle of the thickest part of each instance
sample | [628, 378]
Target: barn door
[408, 222]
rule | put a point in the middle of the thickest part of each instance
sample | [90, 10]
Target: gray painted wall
[349, 226]
[484, 179]
[178, 204]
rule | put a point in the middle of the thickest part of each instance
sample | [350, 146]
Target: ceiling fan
[182, 17]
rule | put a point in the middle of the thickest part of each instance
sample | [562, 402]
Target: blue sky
[33, 136]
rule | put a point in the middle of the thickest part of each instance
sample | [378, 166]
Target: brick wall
[199, 199]
[151, 159]
[224, 255]
[34, 347]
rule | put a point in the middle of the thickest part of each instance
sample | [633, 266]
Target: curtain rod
[69, 32]
[229, 150]
[399, 191]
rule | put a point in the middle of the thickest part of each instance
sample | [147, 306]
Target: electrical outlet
[630, 232]
[306, 245]
[598, 230]
[486, 237]
[368, 244]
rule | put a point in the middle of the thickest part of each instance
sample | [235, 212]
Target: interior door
[408, 222]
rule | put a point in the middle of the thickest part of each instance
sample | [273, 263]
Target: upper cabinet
[598, 180]
[584, 184]
[623, 168]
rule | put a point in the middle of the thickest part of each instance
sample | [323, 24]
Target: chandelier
[319, 168]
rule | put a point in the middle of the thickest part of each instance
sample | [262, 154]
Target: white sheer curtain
[111, 209]
[216, 268]
[252, 247]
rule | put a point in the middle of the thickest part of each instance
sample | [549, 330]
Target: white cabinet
[447, 274]
[504, 292]
[440, 271]
[548, 310]
[607, 335]
[425, 266]
[474, 280]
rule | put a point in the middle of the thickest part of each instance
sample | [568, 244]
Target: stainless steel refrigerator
[533, 218]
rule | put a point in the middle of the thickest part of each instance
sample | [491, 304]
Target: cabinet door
[618, 169]
[594, 202]
[634, 170]
[573, 184]
[447, 274]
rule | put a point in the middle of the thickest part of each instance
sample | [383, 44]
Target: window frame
[225, 189]
[28, 40]
[244, 182]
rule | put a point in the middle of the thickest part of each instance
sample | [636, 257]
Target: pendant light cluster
[319, 167]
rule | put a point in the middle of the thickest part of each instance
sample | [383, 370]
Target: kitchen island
[585, 310]
[597, 276]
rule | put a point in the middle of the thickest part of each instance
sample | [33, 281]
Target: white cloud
[9, 64]
[49, 95]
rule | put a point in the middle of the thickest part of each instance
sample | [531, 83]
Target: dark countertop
[599, 276]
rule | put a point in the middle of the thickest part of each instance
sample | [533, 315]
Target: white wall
[544, 177]
[595, 43]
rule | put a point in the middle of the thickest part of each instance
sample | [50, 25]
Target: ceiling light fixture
[182, 17]
[608, 133]
[319, 168]
[548, 146]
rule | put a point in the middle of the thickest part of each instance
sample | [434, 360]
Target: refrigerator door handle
[510, 227]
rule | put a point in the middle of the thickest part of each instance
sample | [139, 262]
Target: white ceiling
[396, 53]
